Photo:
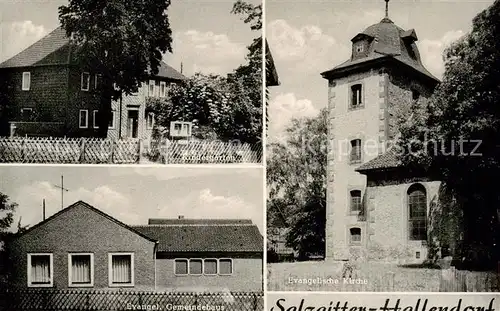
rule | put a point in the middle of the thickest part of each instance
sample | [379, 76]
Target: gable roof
[272, 78]
[195, 222]
[93, 209]
[387, 160]
[205, 237]
[54, 49]
[39, 50]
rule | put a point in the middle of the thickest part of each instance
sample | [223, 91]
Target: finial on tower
[386, 8]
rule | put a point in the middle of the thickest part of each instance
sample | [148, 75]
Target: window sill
[40, 285]
[357, 162]
[353, 108]
[80, 285]
[121, 285]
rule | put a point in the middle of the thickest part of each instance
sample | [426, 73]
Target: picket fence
[80, 300]
[97, 150]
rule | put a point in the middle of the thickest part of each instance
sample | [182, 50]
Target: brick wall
[47, 95]
[387, 94]
[247, 275]
[387, 207]
[64, 234]
[345, 125]
[78, 100]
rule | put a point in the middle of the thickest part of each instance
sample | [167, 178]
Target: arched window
[417, 212]
[355, 235]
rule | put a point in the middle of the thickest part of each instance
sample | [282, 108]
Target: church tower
[365, 95]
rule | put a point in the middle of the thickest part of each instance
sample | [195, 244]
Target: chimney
[181, 217]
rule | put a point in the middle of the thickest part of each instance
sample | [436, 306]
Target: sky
[310, 37]
[207, 38]
[134, 194]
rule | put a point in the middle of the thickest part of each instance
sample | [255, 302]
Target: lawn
[372, 276]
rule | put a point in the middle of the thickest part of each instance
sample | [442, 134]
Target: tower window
[355, 156]
[355, 236]
[356, 96]
[417, 213]
[355, 201]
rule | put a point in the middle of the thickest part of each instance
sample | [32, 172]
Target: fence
[195, 152]
[97, 150]
[453, 280]
[76, 300]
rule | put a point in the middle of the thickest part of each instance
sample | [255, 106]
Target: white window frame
[113, 119]
[351, 241]
[216, 266]
[88, 81]
[150, 116]
[28, 75]
[151, 83]
[86, 118]
[189, 266]
[181, 259]
[28, 270]
[232, 266]
[94, 119]
[110, 270]
[164, 85]
[70, 270]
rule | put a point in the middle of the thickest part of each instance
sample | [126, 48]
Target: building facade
[366, 95]
[48, 95]
[165, 255]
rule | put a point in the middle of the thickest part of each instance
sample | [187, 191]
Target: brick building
[165, 255]
[48, 95]
[375, 206]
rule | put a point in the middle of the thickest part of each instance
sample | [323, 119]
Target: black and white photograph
[170, 82]
[382, 151]
[97, 238]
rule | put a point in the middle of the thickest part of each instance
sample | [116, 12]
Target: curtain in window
[122, 269]
[80, 269]
[40, 269]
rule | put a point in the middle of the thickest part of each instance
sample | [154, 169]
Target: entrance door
[133, 123]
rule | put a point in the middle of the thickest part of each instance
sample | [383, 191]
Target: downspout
[68, 72]
[155, 259]
[120, 125]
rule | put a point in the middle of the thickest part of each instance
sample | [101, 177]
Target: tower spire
[386, 8]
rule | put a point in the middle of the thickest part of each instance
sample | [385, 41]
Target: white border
[70, 274]
[51, 267]
[110, 270]
[88, 81]
[86, 119]
[232, 266]
[22, 82]
[187, 266]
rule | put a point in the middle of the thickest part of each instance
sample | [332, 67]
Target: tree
[7, 209]
[226, 108]
[455, 135]
[121, 40]
[296, 179]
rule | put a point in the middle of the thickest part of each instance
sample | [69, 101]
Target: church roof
[387, 160]
[387, 41]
